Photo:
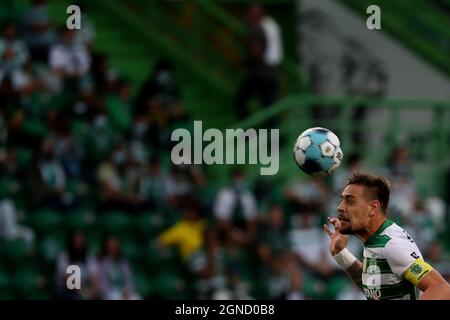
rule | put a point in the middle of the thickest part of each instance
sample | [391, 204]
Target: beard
[346, 228]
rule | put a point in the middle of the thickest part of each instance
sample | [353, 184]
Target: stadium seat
[156, 259]
[168, 285]
[15, 251]
[3, 280]
[27, 280]
[130, 247]
[143, 283]
[45, 220]
[6, 187]
[82, 219]
[35, 128]
[23, 155]
[50, 246]
[148, 224]
[94, 240]
[114, 222]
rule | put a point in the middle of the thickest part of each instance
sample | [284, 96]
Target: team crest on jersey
[416, 269]
[372, 278]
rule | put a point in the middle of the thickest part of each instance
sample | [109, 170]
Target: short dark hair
[377, 187]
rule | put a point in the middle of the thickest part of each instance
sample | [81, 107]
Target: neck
[366, 233]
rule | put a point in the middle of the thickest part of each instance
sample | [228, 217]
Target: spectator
[13, 52]
[399, 164]
[103, 76]
[307, 242]
[272, 235]
[38, 31]
[101, 138]
[186, 234]
[278, 281]
[26, 83]
[420, 225]
[307, 197]
[115, 276]
[158, 104]
[115, 192]
[403, 186]
[13, 59]
[69, 60]
[48, 180]
[264, 54]
[161, 91]
[295, 289]
[77, 253]
[354, 164]
[86, 35]
[118, 107]
[10, 169]
[182, 182]
[236, 209]
[152, 185]
[208, 267]
[9, 226]
[439, 258]
[66, 150]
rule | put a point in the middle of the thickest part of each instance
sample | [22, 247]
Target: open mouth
[341, 219]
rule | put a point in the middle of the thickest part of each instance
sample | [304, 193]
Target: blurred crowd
[76, 137]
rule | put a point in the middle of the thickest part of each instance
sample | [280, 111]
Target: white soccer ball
[318, 152]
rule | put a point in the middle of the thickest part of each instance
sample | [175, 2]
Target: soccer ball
[318, 152]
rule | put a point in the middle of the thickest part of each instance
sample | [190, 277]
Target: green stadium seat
[148, 224]
[23, 156]
[114, 222]
[82, 219]
[130, 248]
[7, 187]
[94, 240]
[27, 280]
[15, 251]
[143, 283]
[168, 285]
[7, 295]
[3, 280]
[45, 220]
[155, 259]
[51, 245]
[35, 127]
[40, 294]
[259, 289]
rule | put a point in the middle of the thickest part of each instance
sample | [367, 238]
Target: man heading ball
[392, 266]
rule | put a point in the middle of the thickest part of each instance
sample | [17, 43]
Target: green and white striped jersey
[388, 254]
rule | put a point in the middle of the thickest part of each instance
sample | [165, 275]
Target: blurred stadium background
[85, 123]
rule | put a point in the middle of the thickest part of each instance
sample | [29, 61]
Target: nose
[340, 208]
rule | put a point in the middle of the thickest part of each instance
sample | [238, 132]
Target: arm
[354, 272]
[434, 287]
[405, 260]
[338, 249]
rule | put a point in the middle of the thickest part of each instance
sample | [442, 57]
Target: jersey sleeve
[405, 260]
[400, 254]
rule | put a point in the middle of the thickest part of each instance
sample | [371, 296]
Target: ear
[374, 206]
